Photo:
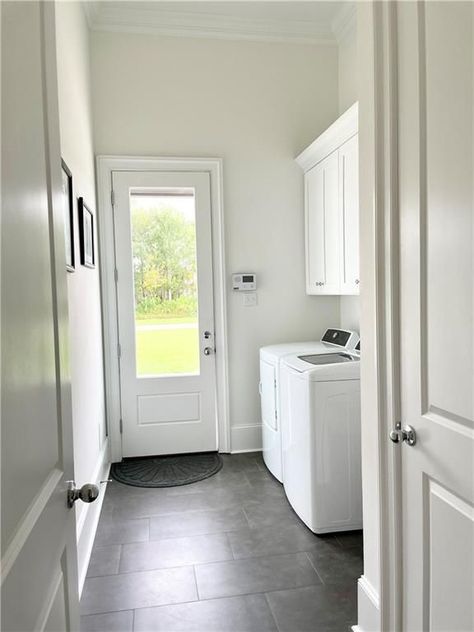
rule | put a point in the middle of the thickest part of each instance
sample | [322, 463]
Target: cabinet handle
[357, 281]
[319, 283]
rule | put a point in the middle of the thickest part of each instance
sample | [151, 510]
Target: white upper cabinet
[331, 184]
[349, 215]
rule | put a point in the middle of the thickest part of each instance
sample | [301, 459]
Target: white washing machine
[320, 401]
[270, 362]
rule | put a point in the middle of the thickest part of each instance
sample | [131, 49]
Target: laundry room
[282, 117]
[218, 283]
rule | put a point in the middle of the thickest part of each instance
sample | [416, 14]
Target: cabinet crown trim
[332, 138]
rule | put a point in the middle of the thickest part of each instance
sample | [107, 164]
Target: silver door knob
[207, 350]
[87, 493]
[406, 434]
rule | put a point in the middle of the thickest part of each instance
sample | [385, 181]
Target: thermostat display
[244, 281]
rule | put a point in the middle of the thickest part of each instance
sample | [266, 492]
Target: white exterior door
[435, 55]
[39, 566]
[163, 246]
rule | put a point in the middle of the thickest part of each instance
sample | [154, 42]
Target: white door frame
[105, 166]
[379, 589]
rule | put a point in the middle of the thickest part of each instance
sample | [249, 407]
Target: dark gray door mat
[166, 471]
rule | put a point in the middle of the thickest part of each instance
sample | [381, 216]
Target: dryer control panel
[341, 338]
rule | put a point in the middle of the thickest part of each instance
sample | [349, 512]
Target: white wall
[257, 106]
[83, 285]
[348, 72]
[348, 94]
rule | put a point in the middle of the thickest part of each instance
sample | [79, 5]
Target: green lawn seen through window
[165, 350]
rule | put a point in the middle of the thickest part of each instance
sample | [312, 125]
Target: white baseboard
[368, 607]
[88, 518]
[246, 438]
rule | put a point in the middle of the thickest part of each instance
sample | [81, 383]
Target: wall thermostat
[244, 281]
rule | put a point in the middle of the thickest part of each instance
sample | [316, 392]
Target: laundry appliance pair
[310, 399]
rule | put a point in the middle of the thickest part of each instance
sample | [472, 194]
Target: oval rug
[166, 471]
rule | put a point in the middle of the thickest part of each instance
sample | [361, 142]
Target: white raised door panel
[435, 57]
[39, 559]
[349, 215]
[165, 412]
[322, 227]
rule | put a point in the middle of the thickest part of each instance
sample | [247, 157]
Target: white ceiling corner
[344, 21]
[317, 22]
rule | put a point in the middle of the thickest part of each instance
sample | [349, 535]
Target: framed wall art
[86, 234]
[66, 178]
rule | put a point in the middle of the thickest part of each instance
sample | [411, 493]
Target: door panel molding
[25, 526]
[431, 391]
[105, 166]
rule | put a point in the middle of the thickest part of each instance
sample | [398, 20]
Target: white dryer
[270, 362]
[320, 400]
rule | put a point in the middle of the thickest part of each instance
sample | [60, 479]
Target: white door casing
[435, 139]
[39, 565]
[106, 165]
[165, 414]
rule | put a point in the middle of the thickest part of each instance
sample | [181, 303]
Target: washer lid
[327, 358]
[324, 367]
[273, 353]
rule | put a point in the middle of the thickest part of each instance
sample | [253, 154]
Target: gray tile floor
[226, 554]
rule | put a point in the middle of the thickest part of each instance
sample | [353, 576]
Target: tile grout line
[271, 611]
[196, 583]
[314, 568]
[246, 517]
[217, 598]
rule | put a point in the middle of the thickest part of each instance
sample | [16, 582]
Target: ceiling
[317, 21]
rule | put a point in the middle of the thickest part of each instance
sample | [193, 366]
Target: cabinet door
[349, 215]
[322, 227]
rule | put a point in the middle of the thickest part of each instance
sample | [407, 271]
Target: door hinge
[121, 425]
[112, 197]
[119, 350]
[116, 275]
[276, 416]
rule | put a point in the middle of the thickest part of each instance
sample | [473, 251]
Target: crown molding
[344, 22]
[90, 11]
[160, 21]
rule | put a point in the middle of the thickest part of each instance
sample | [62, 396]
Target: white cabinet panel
[322, 227]
[349, 215]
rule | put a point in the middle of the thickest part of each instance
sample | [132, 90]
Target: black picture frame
[68, 209]
[86, 234]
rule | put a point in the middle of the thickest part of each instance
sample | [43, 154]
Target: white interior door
[435, 53]
[39, 566]
[163, 246]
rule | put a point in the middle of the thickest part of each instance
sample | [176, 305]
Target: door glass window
[163, 227]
